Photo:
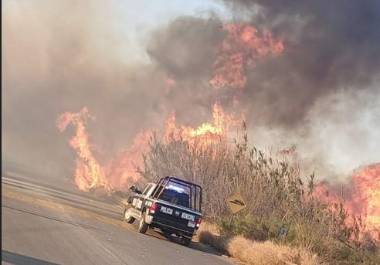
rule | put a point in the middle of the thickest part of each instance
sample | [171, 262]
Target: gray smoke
[321, 94]
[330, 45]
[60, 57]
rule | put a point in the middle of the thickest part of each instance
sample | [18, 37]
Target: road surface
[46, 225]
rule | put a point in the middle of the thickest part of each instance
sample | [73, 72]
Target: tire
[128, 218]
[131, 220]
[186, 241]
[143, 227]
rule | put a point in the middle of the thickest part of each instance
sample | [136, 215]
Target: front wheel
[143, 227]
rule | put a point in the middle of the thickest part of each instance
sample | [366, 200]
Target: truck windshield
[176, 195]
[179, 192]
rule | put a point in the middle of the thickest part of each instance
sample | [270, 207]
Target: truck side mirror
[134, 189]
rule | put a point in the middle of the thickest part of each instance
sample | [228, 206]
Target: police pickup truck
[171, 205]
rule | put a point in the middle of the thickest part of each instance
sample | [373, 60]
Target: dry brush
[281, 206]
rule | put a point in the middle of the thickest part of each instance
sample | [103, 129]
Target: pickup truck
[171, 205]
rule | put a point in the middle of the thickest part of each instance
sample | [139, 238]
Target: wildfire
[242, 47]
[206, 128]
[206, 132]
[363, 199]
[119, 172]
[88, 173]
[366, 196]
[122, 170]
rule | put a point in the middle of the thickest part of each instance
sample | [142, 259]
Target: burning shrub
[281, 206]
[222, 168]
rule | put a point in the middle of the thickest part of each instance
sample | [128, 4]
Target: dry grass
[279, 198]
[256, 253]
[268, 253]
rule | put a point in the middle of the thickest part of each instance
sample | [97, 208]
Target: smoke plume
[321, 93]
[329, 46]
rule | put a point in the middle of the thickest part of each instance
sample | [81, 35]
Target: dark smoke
[186, 50]
[330, 45]
[321, 94]
[187, 47]
[61, 56]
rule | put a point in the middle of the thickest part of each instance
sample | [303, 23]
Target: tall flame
[119, 172]
[122, 170]
[206, 132]
[366, 196]
[88, 173]
[363, 199]
[242, 47]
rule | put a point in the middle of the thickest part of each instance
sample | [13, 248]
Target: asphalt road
[45, 225]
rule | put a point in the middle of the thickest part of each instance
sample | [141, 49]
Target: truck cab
[172, 205]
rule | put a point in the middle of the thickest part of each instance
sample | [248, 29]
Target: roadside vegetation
[283, 218]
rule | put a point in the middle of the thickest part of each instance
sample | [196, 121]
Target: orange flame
[242, 47]
[123, 170]
[205, 133]
[363, 200]
[366, 196]
[88, 174]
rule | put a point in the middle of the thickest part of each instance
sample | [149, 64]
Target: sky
[136, 19]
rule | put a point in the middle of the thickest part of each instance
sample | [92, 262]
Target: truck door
[139, 201]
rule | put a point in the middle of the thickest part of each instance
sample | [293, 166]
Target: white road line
[64, 195]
